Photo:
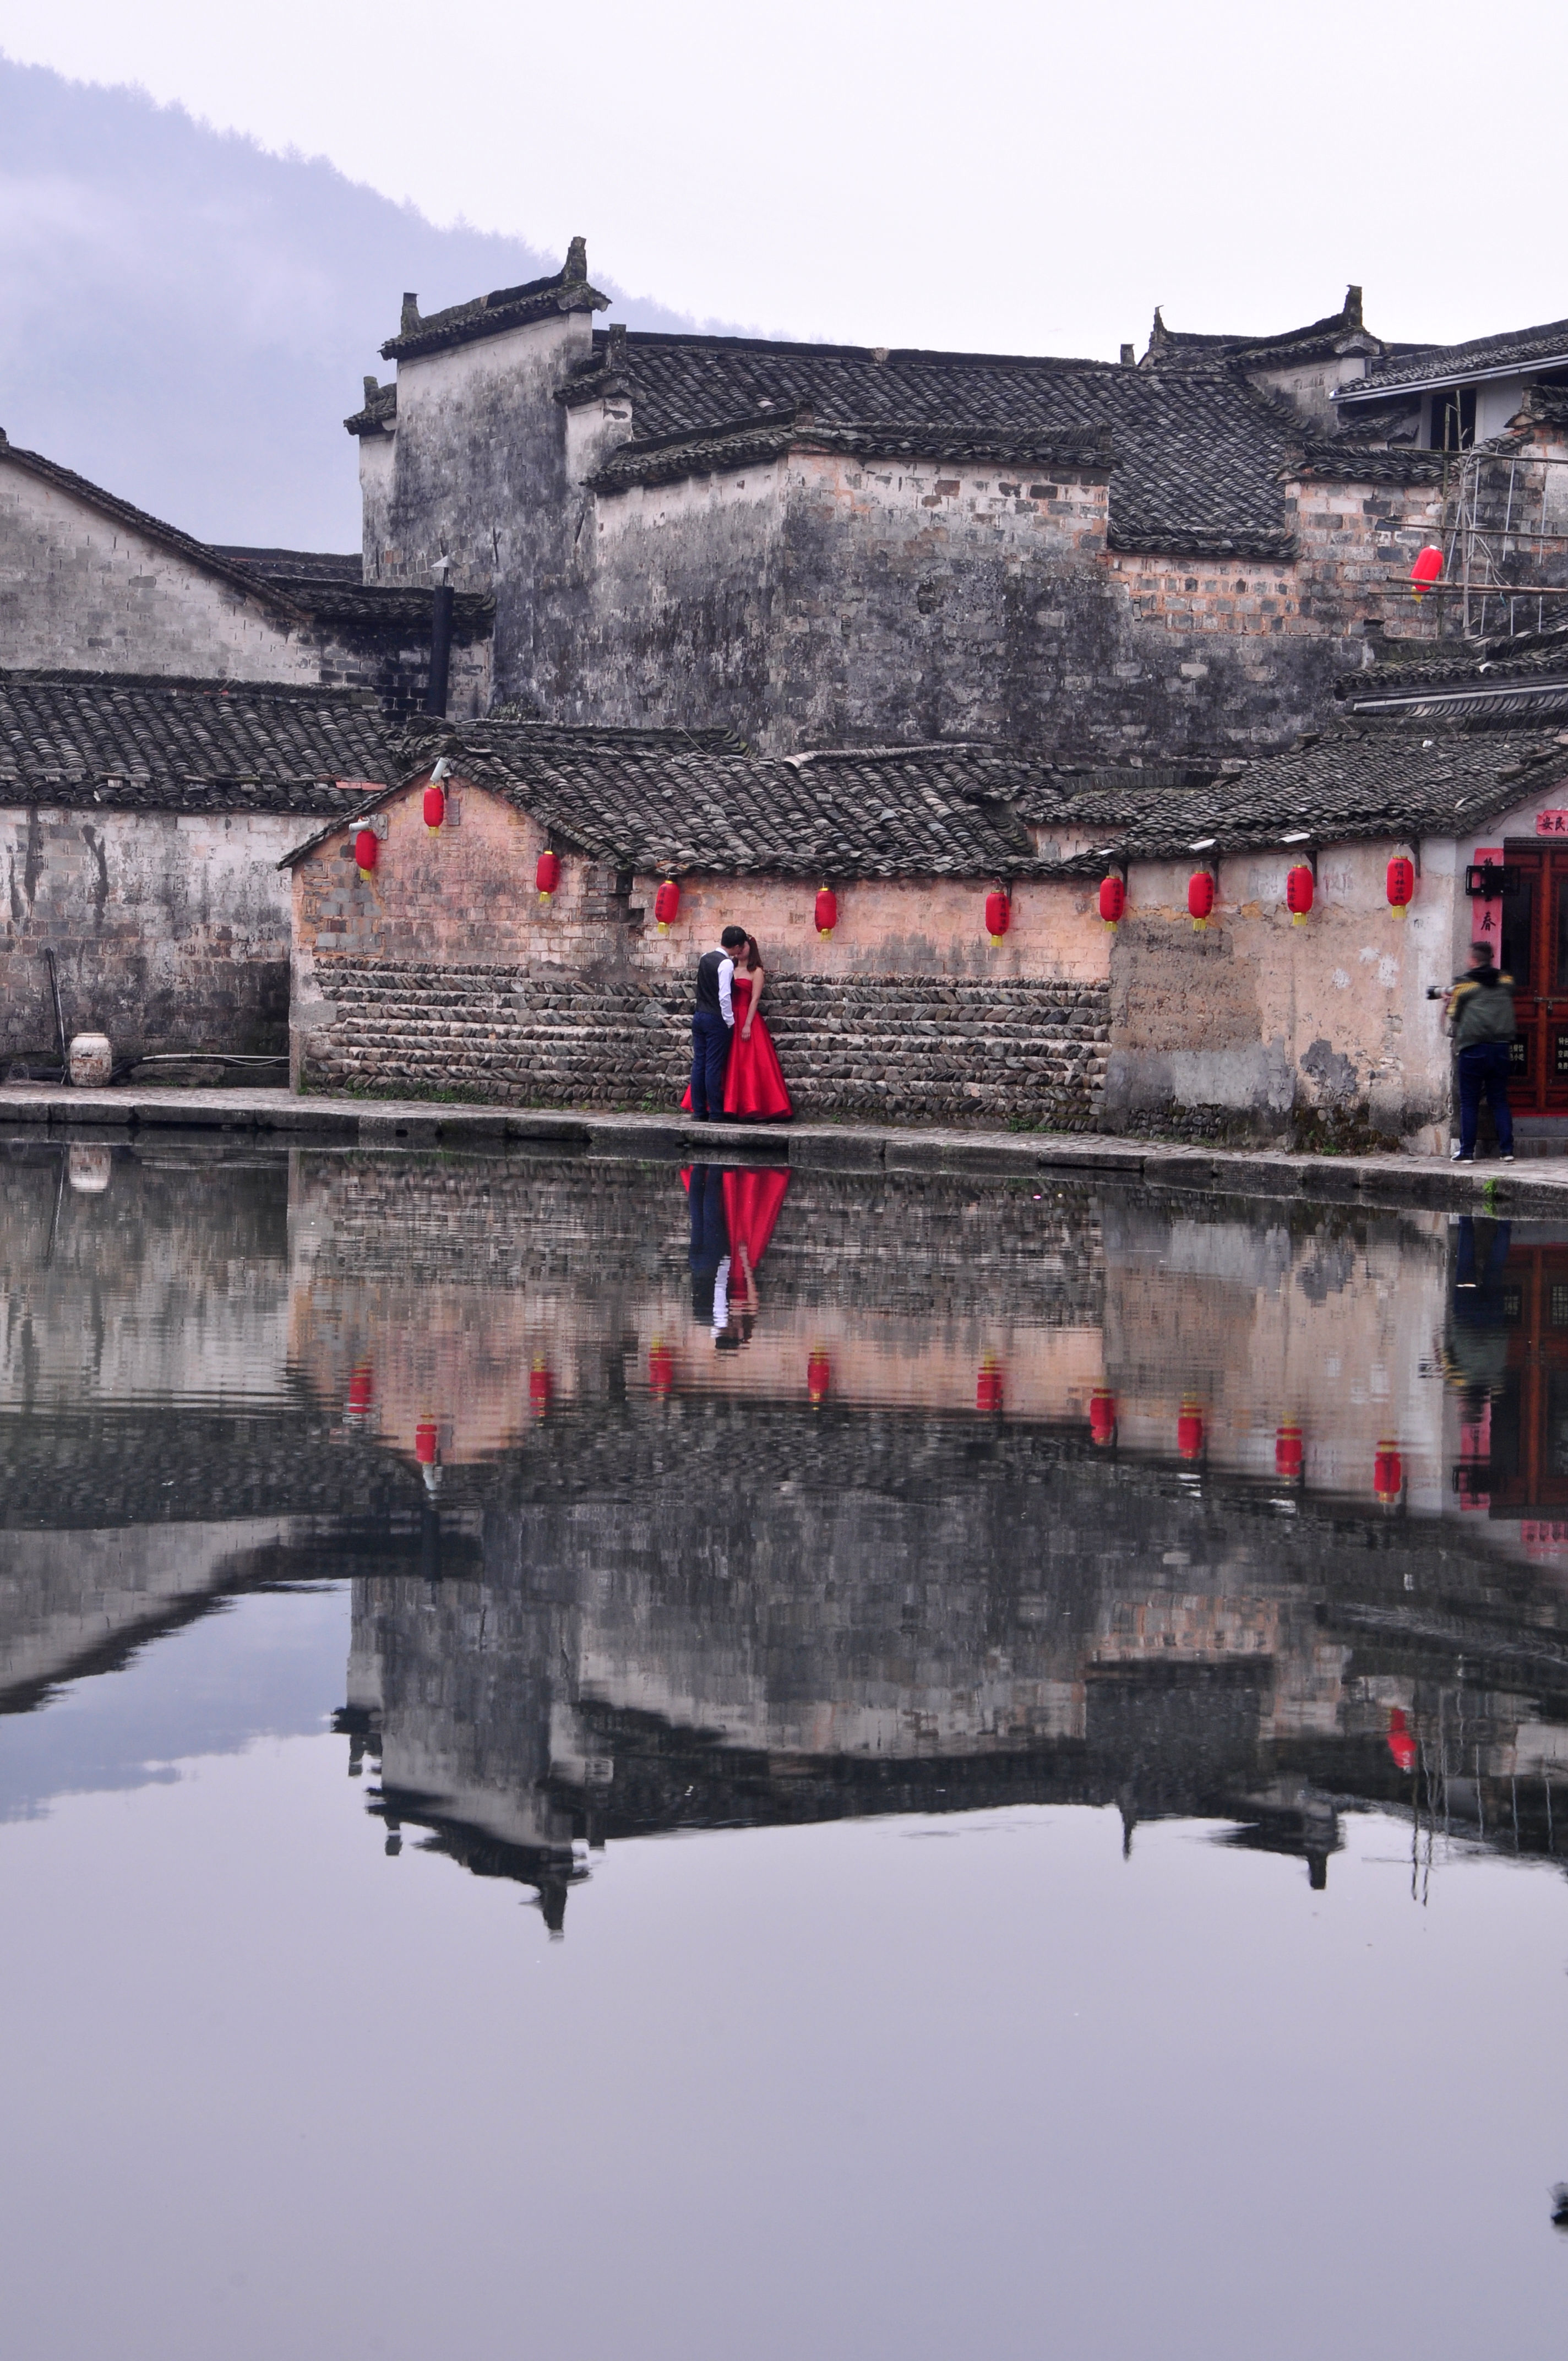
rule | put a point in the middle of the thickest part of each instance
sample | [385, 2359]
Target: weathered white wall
[80, 591]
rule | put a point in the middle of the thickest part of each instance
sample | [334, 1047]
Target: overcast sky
[989, 176]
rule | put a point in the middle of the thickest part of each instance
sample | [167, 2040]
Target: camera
[1437, 992]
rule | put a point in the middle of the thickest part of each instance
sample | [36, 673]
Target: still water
[596, 1760]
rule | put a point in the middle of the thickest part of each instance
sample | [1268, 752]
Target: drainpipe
[440, 638]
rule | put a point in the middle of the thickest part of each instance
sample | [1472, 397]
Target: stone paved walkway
[1537, 1186]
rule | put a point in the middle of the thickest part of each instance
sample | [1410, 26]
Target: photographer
[1480, 1012]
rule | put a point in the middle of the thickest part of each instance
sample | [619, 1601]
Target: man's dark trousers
[710, 1056]
[1484, 1067]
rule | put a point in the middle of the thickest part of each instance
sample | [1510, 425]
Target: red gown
[753, 1079]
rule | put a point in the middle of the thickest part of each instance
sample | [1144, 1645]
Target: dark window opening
[1453, 419]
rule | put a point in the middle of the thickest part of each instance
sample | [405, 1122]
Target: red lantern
[666, 903]
[1288, 1452]
[547, 875]
[1388, 1473]
[1102, 1417]
[1200, 897]
[434, 806]
[1401, 884]
[989, 1388]
[827, 910]
[540, 1387]
[365, 850]
[1300, 889]
[1189, 1431]
[661, 1368]
[1112, 900]
[426, 1436]
[1401, 1744]
[818, 1379]
[361, 1390]
[1427, 569]
[998, 916]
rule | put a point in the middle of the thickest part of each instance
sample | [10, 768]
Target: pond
[600, 1759]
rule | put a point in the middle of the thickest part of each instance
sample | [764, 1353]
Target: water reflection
[737, 1496]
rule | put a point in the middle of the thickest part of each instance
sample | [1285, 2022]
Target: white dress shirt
[726, 980]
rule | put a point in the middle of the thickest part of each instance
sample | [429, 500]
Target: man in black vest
[713, 1020]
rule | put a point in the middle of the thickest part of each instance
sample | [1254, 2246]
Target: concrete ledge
[1537, 1188]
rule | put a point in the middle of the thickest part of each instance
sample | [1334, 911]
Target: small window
[1453, 418]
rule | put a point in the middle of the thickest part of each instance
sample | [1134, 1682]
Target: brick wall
[884, 1046]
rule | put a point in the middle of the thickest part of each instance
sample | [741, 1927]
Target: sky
[993, 177]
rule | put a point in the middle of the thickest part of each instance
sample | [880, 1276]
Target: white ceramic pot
[89, 1169]
[92, 1061]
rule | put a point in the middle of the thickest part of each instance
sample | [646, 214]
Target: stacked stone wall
[895, 1047]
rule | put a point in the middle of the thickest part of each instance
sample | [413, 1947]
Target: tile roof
[1374, 779]
[1337, 460]
[1498, 356]
[1502, 679]
[1340, 331]
[567, 289]
[295, 564]
[378, 410]
[332, 589]
[1198, 453]
[754, 442]
[861, 813]
[200, 553]
[118, 741]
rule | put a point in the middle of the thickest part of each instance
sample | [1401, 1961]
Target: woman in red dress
[754, 1086]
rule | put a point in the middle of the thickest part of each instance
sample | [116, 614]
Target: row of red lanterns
[1300, 892]
[1289, 1444]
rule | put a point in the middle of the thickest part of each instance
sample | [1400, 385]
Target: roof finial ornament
[409, 325]
[1159, 333]
[371, 390]
[1353, 307]
[576, 262]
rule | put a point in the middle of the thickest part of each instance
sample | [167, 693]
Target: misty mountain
[187, 319]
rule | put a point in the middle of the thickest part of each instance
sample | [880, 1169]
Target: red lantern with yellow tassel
[1401, 884]
[365, 850]
[826, 911]
[434, 807]
[998, 916]
[661, 1368]
[427, 1436]
[1388, 1473]
[1200, 897]
[1113, 899]
[547, 875]
[1427, 570]
[1300, 888]
[666, 904]
[989, 1388]
[362, 1389]
[1288, 1452]
[1101, 1418]
[540, 1387]
[1401, 1742]
[818, 1377]
[1190, 1430]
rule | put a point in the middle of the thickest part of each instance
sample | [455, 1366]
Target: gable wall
[80, 591]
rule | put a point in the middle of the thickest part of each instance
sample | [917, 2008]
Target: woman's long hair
[753, 956]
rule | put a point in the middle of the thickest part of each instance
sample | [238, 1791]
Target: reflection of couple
[735, 1068]
[733, 1218]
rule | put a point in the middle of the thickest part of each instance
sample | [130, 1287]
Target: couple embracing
[735, 1068]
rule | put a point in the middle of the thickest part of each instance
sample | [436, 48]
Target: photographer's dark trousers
[1484, 1067]
[710, 1056]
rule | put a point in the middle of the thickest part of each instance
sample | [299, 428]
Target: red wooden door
[1535, 953]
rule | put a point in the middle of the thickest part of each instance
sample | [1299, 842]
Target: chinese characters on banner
[1549, 823]
[1487, 918]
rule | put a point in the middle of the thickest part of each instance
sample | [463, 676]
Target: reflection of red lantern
[1427, 569]
[998, 916]
[434, 806]
[1388, 1473]
[826, 911]
[818, 1377]
[666, 903]
[1401, 1744]
[1288, 1453]
[1401, 884]
[1102, 1417]
[361, 1390]
[1300, 889]
[1112, 900]
[426, 1436]
[661, 1368]
[541, 1385]
[547, 875]
[989, 1388]
[1200, 897]
[365, 850]
[1189, 1431]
